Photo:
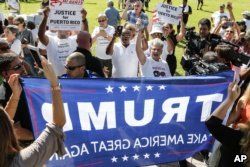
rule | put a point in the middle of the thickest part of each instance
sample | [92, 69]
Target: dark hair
[224, 51]
[1, 27]
[9, 145]
[31, 25]
[205, 21]
[4, 46]
[5, 60]
[21, 20]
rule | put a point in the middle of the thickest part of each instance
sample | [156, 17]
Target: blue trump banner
[132, 122]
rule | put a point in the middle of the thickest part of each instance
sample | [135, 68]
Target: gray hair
[78, 57]
[157, 42]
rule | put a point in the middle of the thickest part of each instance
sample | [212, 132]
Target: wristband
[58, 87]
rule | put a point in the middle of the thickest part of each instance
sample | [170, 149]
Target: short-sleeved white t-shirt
[102, 43]
[217, 17]
[57, 52]
[125, 61]
[16, 47]
[153, 68]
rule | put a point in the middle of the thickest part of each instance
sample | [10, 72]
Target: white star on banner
[136, 156]
[109, 89]
[149, 87]
[122, 88]
[157, 155]
[136, 88]
[114, 159]
[125, 158]
[162, 87]
[146, 156]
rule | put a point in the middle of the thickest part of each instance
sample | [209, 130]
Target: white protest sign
[168, 13]
[65, 15]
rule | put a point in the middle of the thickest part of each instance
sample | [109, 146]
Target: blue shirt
[113, 16]
[132, 18]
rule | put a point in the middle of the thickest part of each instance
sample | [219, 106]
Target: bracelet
[58, 87]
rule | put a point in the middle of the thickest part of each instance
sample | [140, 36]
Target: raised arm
[16, 88]
[230, 11]
[140, 54]
[42, 28]
[233, 94]
[124, 13]
[57, 103]
[181, 35]
[52, 138]
[110, 47]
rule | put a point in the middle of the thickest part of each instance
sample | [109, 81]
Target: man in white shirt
[124, 59]
[216, 16]
[102, 35]
[152, 66]
[58, 47]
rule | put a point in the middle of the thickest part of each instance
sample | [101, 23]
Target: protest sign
[129, 122]
[65, 15]
[168, 13]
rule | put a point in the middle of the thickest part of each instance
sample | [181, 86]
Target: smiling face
[103, 21]
[125, 37]
[156, 51]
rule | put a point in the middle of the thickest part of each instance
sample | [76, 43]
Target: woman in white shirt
[10, 33]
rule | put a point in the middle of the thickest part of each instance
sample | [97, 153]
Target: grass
[94, 7]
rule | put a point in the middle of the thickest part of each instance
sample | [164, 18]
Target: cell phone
[35, 55]
[229, 24]
[119, 30]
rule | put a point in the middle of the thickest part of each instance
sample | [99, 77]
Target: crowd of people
[140, 47]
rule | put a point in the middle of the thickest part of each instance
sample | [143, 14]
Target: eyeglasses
[72, 68]
[17, 67]
[100, 21]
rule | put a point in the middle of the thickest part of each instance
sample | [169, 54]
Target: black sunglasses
[73, 68]
[17, 67]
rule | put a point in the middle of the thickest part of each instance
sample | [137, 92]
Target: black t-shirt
[173, 39]
[92, 63]
[22, 114]
[229, 138]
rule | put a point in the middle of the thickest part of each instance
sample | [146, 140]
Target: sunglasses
[100, 21]
[230, 31]
[72, 68]
[17, 67]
